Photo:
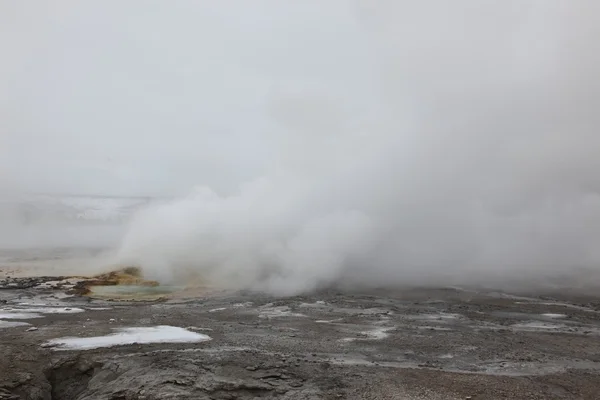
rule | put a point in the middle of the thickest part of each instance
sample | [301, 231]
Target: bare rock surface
[403, 343]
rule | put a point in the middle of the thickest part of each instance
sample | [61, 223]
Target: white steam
[453, 140]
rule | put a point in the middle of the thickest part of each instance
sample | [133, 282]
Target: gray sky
[154, 97]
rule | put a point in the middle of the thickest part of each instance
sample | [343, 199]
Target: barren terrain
[402, 343]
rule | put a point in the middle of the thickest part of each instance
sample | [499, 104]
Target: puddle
[125, 336]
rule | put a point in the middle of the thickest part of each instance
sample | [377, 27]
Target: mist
[315, 144]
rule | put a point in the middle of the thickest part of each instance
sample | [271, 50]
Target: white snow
[379, 333]
[552, 315]
[374, 334]
[12, 324]
[435, 317]
[318, 303]
[278, 312]
[30, 313]
[44, 310]
[537, 325]
[65, 283]
[19, 315]
[124, 336]
[330, 321]
[246, 304]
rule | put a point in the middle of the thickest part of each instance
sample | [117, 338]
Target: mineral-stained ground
[403, 343]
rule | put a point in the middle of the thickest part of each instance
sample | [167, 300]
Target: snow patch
[330, 321]
[374, 334]
[125, 336]
[44, 310]
[19, 315]
[552, 315]
[537, 325]
[243, 305]
[12, 324]
[64, 284]
[379, 333]
[318, 303]
[278, 312]
[435, 317]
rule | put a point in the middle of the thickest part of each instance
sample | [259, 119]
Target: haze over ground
[364, 141]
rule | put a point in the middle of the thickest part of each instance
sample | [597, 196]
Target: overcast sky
[154, 97]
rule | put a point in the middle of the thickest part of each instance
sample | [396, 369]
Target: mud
[401, 343]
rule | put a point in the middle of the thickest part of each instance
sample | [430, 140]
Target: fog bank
[354, 142]
[472, 155]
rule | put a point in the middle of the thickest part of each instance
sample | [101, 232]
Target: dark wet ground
[401, 343]
[404, 343]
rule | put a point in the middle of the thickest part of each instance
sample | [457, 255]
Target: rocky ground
[405, 343]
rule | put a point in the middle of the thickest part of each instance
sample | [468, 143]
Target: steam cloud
[473, 154]
[348, 141]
